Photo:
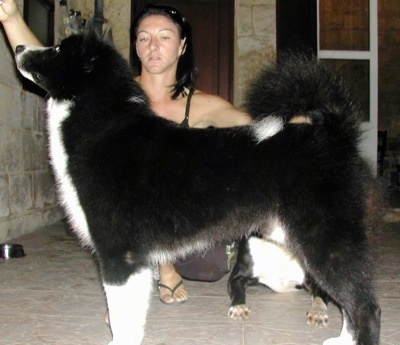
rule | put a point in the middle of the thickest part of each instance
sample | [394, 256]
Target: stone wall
[117, 15]
[27, 195]
[255, 42]
[27, 192]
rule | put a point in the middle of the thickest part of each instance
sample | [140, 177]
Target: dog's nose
[19, 49]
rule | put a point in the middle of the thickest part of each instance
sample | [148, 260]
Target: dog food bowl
[11, 251]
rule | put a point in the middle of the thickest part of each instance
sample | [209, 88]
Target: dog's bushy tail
[301, 85]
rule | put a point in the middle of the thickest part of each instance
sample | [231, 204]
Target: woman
[167, 74]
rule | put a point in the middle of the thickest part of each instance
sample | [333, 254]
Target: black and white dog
[122, 174]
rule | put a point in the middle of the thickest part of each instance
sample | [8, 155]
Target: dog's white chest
[57, 113]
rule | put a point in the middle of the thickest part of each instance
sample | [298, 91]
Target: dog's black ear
[91, 31]
[89, 26]
[108, 37]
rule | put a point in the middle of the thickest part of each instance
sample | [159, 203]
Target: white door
[341, 25]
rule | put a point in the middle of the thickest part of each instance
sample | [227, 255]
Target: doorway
[296, 26]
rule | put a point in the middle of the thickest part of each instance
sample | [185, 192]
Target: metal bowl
[11, 251]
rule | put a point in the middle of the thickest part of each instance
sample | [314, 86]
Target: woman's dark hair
[187, 69]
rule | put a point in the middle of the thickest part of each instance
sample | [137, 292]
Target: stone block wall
[27, 193]
[255, 42]
[28, 199]
[117, 15]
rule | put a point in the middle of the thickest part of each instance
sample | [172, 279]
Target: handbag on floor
[209, 267]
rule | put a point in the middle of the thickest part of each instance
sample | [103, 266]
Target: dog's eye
[57, 49]
[37, 77]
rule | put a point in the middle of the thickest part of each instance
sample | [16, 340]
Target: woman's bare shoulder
[209, 99]
[212, 110]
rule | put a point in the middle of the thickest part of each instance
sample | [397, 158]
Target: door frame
[369, 139]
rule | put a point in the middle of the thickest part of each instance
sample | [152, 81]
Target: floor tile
[53, 296]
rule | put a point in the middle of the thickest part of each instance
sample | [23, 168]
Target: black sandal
[172, 291]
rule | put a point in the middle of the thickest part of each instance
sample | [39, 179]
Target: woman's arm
[14, 25]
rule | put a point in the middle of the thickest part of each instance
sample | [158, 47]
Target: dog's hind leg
[318, 314]
[361, 328]
[347, 278]
[127, 305]
[346, 335]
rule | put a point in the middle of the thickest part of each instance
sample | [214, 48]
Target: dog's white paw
[317, 318]
[318, 315]
[130, 342]
[338, 341]
[345, 338]
[239, 312]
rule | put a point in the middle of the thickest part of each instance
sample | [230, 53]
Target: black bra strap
[185, 122]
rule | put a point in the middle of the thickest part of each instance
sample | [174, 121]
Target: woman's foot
[171, 286]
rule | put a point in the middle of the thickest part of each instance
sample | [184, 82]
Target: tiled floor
[53, 296]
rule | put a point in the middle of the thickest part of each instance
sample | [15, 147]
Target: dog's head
[66, 69]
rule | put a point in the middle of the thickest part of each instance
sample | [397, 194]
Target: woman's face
[158, 44]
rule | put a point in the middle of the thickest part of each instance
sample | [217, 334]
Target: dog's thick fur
[140, 190]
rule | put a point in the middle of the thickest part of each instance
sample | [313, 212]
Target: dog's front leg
[127, 307]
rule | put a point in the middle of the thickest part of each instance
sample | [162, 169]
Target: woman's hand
[8, 8]
[14, 25]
